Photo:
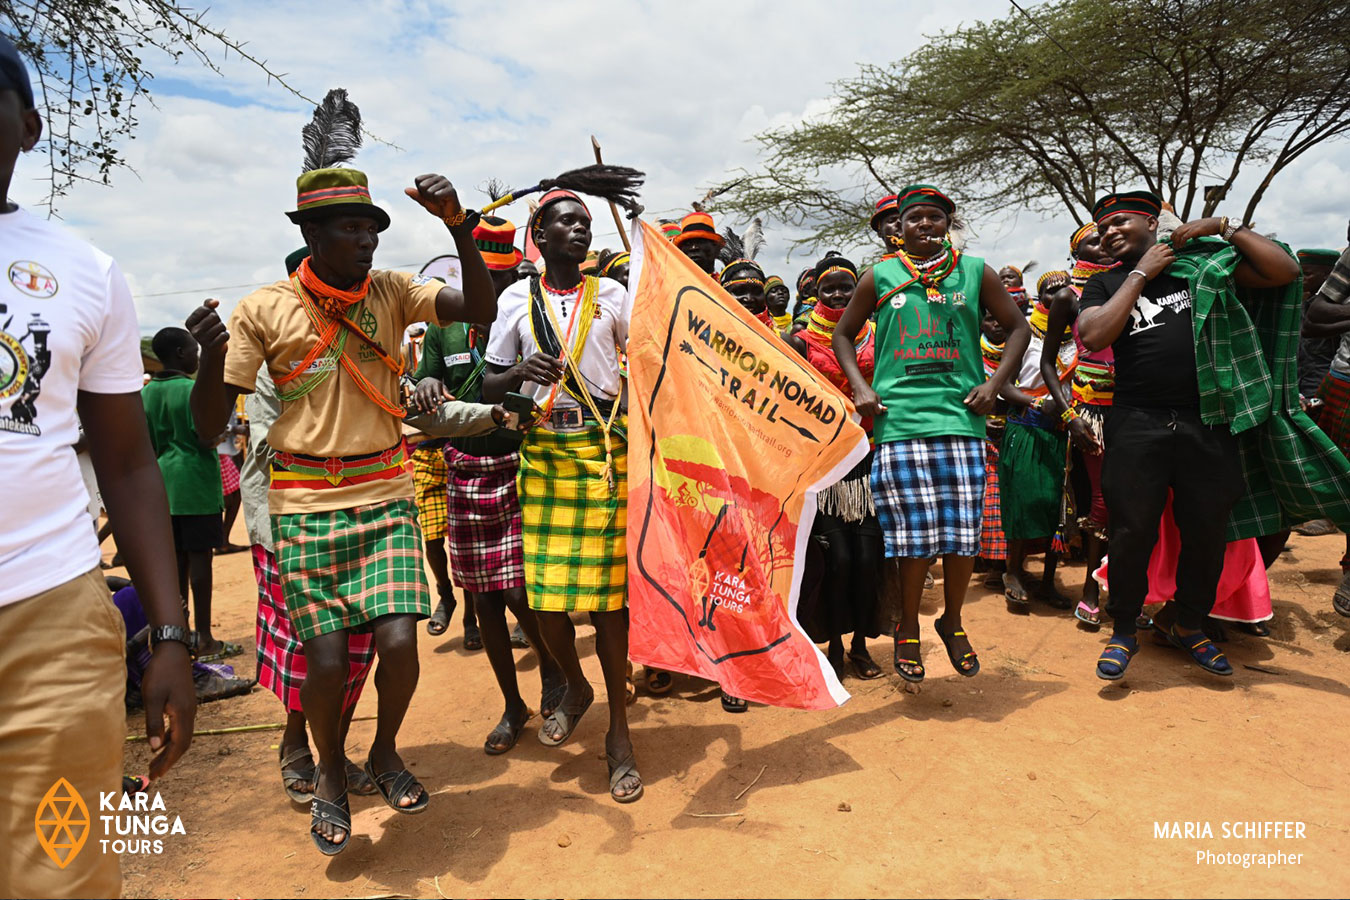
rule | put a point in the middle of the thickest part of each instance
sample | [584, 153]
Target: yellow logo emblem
[62, 822]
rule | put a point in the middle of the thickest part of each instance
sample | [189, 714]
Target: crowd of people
[1141, 409]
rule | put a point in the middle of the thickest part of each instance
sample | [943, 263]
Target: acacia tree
[85, 57]
[1046, 110]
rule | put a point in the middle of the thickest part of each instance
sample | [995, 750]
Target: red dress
[818, 335]
[1243, 594]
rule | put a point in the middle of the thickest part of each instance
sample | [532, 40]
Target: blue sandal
[1206, 655]
[1115, 659]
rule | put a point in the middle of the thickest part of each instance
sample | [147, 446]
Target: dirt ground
[1033, 779]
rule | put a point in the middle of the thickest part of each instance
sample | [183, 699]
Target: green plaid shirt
[1246, 354]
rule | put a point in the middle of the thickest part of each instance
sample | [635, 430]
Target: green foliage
[1048, 110]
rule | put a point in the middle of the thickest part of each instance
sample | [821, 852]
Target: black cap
[13, 73]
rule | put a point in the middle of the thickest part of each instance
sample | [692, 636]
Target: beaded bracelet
[1068, 415]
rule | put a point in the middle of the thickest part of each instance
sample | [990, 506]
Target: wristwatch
[173, 633]
[1229, 228]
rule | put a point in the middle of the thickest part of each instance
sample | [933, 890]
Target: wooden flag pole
[618, 220]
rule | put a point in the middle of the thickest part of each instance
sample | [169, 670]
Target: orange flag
[730, 435]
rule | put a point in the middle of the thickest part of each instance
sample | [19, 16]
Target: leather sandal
[618, 771]
[335, 812]
[915, 672]
[967, 664]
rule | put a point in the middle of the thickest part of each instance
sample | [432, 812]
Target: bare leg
[906, 576]
[1049, 590]
[1094, 548]
[550, 673]
[559, 636]
[327, 664]
[182, 558]
[956, 572]
[1014, 588]
[611, 646]
[232, 502]
[497, 642]
[396, 676]
[199, 573]
[438, 561]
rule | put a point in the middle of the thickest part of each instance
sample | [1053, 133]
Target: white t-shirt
[67, 323]
[511, 339]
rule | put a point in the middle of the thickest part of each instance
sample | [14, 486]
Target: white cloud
[477, 91]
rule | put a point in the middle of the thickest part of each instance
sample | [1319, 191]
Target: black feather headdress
[333, 136]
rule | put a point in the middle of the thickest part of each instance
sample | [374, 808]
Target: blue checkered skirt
[929, 495]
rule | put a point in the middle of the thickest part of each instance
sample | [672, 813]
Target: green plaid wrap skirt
[344, 568]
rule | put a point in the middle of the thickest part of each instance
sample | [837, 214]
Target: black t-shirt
[1155, 354]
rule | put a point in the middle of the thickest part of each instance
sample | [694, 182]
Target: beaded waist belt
[1094, 383]
[315, 473]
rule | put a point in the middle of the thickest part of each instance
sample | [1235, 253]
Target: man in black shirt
[1155, 439]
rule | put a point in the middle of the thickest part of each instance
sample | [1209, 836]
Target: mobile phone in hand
[519, 409]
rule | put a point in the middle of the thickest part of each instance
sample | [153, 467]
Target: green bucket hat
[925, 194]
[1319, 257]
[326, 192]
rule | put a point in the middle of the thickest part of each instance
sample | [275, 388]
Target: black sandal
[1016, 598]
[864, 665]
[915, 672]
[358, 782]
[394, 786]
[294, 772]
[618, 771]
[509, 730]
[568, 719]
[473, 637]
[957, 663]
[733, 704]
[549, 698]
[440, 617]
[335, 812]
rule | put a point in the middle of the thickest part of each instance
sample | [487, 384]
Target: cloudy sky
[477, 90]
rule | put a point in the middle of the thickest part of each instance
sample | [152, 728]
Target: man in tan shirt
[348, 547]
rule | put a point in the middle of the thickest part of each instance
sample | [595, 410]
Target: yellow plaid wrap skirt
[429, 483]
[574, 525]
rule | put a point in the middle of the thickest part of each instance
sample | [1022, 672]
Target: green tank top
[928, 353]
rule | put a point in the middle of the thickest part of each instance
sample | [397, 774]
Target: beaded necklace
[563, 295]
[992, 354]
[820, 324]
[930, 272]
[1083, 270]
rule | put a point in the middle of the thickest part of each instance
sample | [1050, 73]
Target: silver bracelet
[1138, 272]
